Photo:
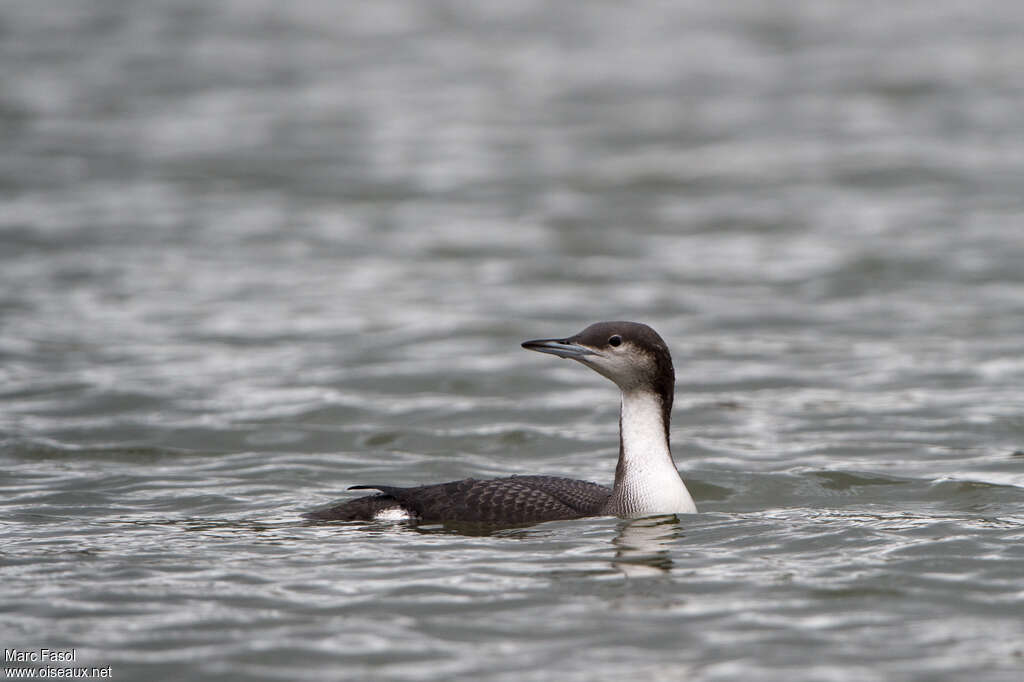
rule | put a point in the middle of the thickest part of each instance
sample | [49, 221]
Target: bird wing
[515, 500]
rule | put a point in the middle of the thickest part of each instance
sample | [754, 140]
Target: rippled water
[254, 252]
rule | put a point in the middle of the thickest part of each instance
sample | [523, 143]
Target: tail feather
[359, 509]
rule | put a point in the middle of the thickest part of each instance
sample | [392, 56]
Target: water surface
[254, 253]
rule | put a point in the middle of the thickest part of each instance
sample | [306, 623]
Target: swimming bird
[646, 483]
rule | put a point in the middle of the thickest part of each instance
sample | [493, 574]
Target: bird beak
[563, 348]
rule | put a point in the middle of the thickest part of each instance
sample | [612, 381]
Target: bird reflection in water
[643, 546]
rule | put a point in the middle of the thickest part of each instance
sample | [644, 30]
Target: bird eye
[615, 340]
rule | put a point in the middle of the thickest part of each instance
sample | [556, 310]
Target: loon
[647, 482]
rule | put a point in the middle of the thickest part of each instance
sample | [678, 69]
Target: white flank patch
[392, 514]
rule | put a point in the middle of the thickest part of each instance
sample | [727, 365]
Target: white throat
[646, 479]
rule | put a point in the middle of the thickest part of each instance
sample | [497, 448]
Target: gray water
[256, 252]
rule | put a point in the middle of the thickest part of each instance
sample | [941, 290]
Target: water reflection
[643, 546]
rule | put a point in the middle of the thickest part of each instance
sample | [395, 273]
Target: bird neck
[646, 479]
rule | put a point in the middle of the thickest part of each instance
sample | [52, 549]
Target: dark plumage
[497, 501]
